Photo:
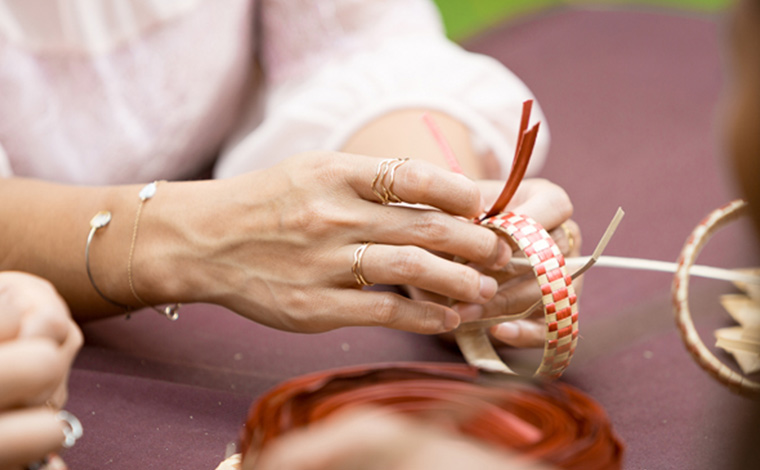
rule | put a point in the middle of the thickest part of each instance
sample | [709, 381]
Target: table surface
[631, 99]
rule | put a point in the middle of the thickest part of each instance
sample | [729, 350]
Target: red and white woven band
[558, 294]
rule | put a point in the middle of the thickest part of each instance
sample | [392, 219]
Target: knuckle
[385, 311]
[432, 227]
[501, 303]
[469, 284]
[555, 198]
[414, 177]
[432, 320]
[407, 264]
[293, 305]
[77, 338]
[561, 202]
[316, 217]
[470, 194]
[486, 245]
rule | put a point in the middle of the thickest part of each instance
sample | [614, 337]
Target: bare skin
[542, 200]
[38, 342]
[365, 440]
[272, 244]
[268, 245]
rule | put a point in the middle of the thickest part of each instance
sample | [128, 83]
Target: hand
[367, 440]
[38, 342]
[277, 246]
[550, 206]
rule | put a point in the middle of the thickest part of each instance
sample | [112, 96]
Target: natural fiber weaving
[558, 298]
[701, 354]
[554, 422]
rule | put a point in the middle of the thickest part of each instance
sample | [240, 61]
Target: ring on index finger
[385, 176]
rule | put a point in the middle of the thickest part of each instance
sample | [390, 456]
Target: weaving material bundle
[552, 422]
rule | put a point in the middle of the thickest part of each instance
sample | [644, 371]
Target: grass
[463, 18]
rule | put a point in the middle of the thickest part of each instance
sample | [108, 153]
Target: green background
[464, 18]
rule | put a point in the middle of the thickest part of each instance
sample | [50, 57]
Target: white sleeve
[384, 67]
[5, 166]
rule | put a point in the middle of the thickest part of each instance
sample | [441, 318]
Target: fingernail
[468, 312]
[506, 331]
[504, 254]
[488, 287]
[451, 320]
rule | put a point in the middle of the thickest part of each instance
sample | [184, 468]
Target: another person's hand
[368, 440]
[551, 207]
[278, 245]
[38, 342]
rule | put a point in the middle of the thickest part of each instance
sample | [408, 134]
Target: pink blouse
[123, 91]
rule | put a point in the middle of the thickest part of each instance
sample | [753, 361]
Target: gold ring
[386, 169]
[392, 197]
[356, 268]
[568, 236]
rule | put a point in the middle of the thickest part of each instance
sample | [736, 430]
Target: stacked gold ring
[385, 176]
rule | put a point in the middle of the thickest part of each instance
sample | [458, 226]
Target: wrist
[165, 246]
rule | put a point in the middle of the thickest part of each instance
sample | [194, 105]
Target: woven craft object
[691, 249]
[551, 422]
[558, 297]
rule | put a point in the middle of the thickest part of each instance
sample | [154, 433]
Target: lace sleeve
[333, 66]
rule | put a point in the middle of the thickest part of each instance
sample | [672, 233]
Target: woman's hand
[367, 440]
[550, 206]
[278, 245]
[38, 342]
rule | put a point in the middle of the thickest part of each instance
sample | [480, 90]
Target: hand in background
[38, 342]
[370, 440]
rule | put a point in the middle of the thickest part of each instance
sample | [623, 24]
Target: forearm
[45, 231]
[404, 133]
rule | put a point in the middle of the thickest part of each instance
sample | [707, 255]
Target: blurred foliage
[464, 18]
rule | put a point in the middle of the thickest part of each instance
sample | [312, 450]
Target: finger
[545, 202]
[419, 182]
[68, 351]
[511, 298]
[426, 296]
[436, 231]
[28, 435]
[365, 440]
[567, 236]
[348, 307]
[386, 264]
[510, 272]
[31, 308]
[32, 370]
[520, 333]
